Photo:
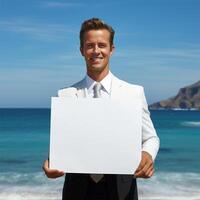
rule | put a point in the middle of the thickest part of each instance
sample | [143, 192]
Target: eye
[102, 45]
[89, 45]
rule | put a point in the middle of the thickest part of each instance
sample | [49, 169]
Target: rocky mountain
[187, 98]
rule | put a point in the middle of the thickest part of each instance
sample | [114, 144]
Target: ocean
[24, 145]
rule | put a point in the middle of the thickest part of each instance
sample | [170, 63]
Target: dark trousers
[96, 191]
[81, 187]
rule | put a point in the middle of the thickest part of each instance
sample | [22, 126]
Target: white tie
[97, 90]
[97, 94]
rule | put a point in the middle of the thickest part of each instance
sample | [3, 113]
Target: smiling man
[96, 46]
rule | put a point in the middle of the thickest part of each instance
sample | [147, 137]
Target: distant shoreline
[25, 108]
[157, 109]
[176, 109]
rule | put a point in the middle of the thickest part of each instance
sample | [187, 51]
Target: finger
[147, 167]
[139, 174]
[47, 169]
[146, 160]
[56, 174]
[46, 165]
[139, 171]
[150, 174]
[151, 168]
[144, 171]
[145, 174]
[51, 173]
[141, 165]
[147, 157]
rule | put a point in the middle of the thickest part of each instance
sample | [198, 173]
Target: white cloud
[40, 31]
[52, 62]
[64, 4]
[187, 56]
[56, 4]
[161, 52]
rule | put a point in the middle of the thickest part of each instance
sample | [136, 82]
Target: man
[96, 46]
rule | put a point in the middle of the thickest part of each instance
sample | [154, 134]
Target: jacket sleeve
[150, 140]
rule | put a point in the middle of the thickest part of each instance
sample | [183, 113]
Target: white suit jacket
[123, 90]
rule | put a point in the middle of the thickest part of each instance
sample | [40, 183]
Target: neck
[98, 76]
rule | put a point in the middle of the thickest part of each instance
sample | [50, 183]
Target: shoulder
[72, 90]
[132, 86]
[129, 86]
[67, 92]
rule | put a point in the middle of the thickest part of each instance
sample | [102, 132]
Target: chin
[96, 68]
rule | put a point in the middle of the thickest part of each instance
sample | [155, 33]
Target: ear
[112, 48]
[81, 50]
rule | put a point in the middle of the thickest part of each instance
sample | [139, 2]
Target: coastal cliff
[187, 98]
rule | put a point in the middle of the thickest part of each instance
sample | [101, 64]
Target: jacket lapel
[81, 89]
[115, 88]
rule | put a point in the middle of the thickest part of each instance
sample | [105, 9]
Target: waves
[162, 186]
[32, 179]
[192, 124]
[12, 161]
[165, 150]
[19, 194]
[170, 186]
[29, 186]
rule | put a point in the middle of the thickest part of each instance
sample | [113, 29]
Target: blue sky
[157, 45]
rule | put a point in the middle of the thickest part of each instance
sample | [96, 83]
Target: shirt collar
[105, 82]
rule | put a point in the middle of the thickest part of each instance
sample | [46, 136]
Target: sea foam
[170, 185]
[192, 124]
[162, 186]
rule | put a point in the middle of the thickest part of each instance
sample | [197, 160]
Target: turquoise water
[179, 132]
[24, 144]
[24, 139]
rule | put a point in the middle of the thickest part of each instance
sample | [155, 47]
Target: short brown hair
[95, 24]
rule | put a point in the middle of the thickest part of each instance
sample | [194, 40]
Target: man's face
[97, 50]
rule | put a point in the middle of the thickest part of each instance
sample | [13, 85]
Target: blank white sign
[100, 136]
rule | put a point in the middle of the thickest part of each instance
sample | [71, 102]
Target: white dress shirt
[106, 86]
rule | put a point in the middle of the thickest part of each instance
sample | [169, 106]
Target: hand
[51, 173]
[146, 166]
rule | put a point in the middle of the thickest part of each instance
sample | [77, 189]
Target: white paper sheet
[95, 135]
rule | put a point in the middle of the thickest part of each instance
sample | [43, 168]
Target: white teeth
[96, 58]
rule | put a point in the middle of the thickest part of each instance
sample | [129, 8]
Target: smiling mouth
[96, 59]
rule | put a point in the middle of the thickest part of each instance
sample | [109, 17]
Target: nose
[96, 49]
